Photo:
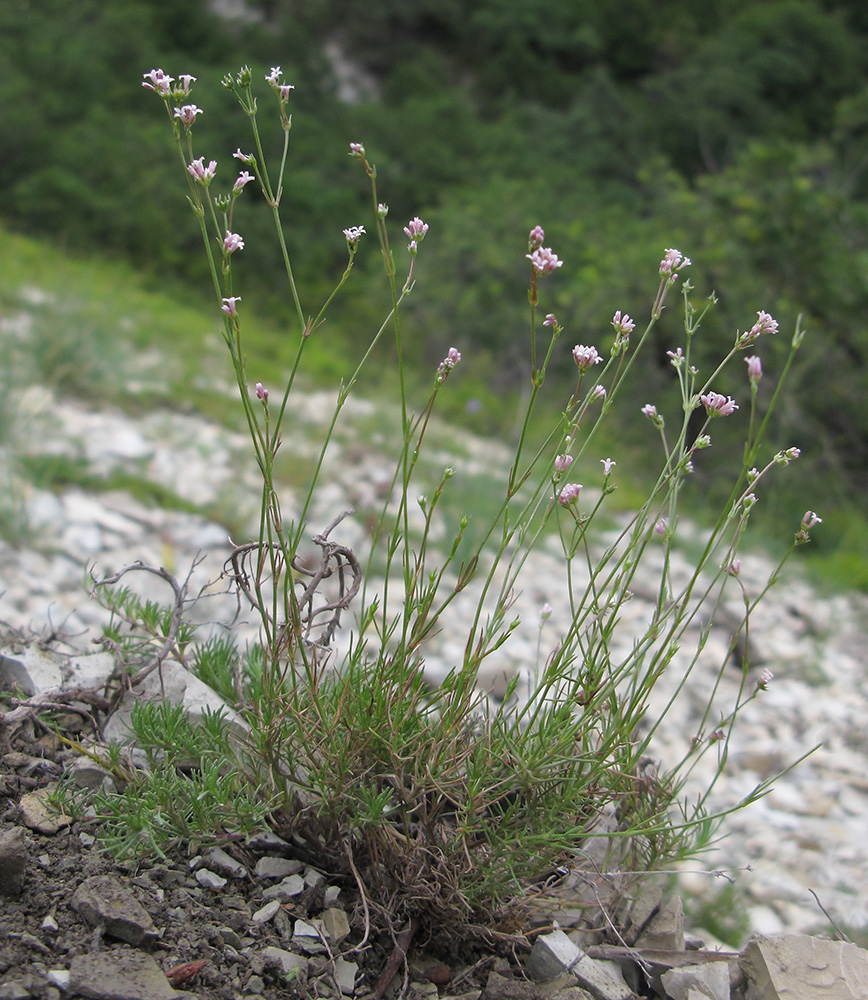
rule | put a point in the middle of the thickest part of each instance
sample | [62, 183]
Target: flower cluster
[651, 413]
[754, 369]
[544, 261]
[232, 242]
[569, 495]
[229, 305]
[187, 114]
[447, 364]
[673, 261]
[536, 238]
[353, 235]
[764, 324]
[585, 357]
[198, 171]
[717, 405]
[161, 83]
[415, 231]
[623, 324]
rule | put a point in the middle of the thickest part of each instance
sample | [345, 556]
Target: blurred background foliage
[735, 130]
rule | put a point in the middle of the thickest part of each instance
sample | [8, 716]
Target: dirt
[41, 931]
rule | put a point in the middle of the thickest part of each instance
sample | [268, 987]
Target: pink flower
[765, 678]
[357, 150]
[673, 261]
[229, 305]
[244, 157]
[585, 357]
[764, 324]
[185, 81]
[243, 179]
[550, 320]
[717, 405]
[354, 234]
[158, 81]
[810, 520]
[536, 238]
[187, 114]
[608, 465]
[274, 76]
[650, 411]
[284, 90]
[754, 368]
[569, 494]
[733, 568]
[563, 462]
[662, 527]
[261, 393]
[416, 229]
[546, 612]
[198, 171]
[598, 393]
[785, 457]
[447, 364]
[544, 261]
[623, 324]
[232, 242]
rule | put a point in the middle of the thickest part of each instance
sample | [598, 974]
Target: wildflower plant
[443, 805]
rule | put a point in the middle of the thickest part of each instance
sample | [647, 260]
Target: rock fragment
[105, 900]
[122, 974]
[13, 861]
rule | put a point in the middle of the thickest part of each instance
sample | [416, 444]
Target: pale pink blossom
[416, 229]
[232, 242]
[229, 305]
[550, 320]
[158, 81]
[563, 462]
[585, 357]
[354, 234]
[200, 172]
[733, 568]
[785, 457]
[284, 90]
[811, 520]
[764, 324]
[544, 261]
[274, 76]
[243, 179]
[187, 114]
[673, 261]
[623, 324]
[765, 678]
[536, 238]
[185, 81]
[662, 527]
[569, 494]
[447, 364]
[261, 393]
[546, 612]
[754, 368]
[650, 411]
[717, 405]
[599, 392]
[357, 150]
[608, 465]
[244, 157]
